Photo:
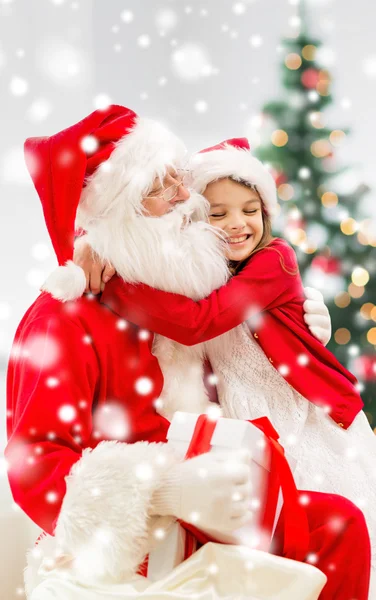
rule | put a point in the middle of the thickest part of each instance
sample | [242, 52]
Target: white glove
[212, 491]
[317, 315]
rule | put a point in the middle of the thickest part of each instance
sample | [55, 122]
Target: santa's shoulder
[48, 313]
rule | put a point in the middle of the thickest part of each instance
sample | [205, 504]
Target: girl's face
[237, 210]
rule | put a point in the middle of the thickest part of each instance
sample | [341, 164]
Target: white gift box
[229, 435]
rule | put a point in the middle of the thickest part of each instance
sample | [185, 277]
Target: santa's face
[237, 210]
[165, 194]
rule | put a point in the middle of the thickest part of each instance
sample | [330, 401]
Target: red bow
[296, 532]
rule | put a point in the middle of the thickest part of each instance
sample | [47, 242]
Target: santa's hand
[97, 272]
[317, 315]
[211, 491]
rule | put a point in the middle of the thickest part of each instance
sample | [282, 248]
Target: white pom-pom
[66, 283]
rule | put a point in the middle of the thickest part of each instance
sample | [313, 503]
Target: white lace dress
[329, 458]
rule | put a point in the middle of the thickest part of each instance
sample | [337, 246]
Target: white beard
[181, 253]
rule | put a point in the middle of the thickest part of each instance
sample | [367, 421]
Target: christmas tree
[335, 247]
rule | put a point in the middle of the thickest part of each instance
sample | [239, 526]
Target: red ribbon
[296, 532]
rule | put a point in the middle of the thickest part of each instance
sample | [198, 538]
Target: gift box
[272, 486]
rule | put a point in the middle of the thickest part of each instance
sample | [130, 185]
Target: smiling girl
[269, 364]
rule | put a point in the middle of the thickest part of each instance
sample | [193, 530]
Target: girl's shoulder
[278, 250]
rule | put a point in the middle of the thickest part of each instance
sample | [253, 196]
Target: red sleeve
[263, 284]
[51, 382]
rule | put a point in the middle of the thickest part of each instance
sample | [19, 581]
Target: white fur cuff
[104, 521]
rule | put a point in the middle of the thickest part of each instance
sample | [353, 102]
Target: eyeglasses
[171, 192]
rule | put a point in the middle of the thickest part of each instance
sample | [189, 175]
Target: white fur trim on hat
[117, 186]
[66, 283]
[237, 163]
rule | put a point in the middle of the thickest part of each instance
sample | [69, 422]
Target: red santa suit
[75, 363]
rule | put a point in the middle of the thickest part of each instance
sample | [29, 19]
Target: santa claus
[87, 429]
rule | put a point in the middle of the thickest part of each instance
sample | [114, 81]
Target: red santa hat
[99, 168]
[233, 158]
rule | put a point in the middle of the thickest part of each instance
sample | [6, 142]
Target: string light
[279, 138]
[316, 119]
[337, 137]
[329, 199]
[285, 191]
[371, 335]
[349, 226]
[360, 276]
[293, 61]
[309, 52]
[321, 148]
[342, 336]
[366, 310]
[342, 300]
[356, 291]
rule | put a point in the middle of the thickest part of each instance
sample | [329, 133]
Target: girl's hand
[97, 272]
[317, 315]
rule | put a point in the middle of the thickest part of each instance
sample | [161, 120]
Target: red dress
[262, 286]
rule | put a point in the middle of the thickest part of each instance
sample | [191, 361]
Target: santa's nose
[182, 195]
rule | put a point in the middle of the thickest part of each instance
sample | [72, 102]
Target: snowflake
[144, 472]
[35, 277]
[201, 106]
[213, 569]
[144, 41]
[369, 67]
[304, 173]
[284, 370]
[67, 413]
[127, 16]
[52, 382]
[51, 497]
[194, 517]
[121, 324]
[102, 101]
[89, 144]
[166, 19]
[117, 47]
[256, 41]
[346, 103]
[62, 62]
[144, 95]
[214, 412]
[144, 386]
[212, 379]
[312, 558]
[162, 81]
[111, 420]
[40, 251]
[295, 21]
[18, 86]
[39, 110]
[160, 533]
[5, 311]
[190, 62]
[303, 360]
[304, 499]
[158, 404]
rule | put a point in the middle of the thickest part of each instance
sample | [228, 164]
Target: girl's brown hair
[266, 239]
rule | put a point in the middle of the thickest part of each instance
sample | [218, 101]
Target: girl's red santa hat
[100, 168]
[232, 158]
